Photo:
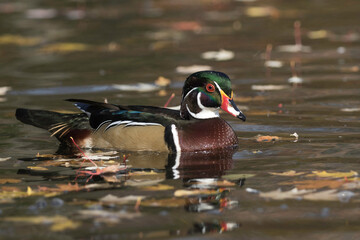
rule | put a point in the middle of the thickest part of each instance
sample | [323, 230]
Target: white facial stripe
[218, 87]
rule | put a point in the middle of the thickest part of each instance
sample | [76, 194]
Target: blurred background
[294, 67]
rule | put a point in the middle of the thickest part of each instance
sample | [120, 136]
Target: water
[101, 45]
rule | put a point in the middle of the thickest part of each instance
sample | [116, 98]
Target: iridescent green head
[204, 93]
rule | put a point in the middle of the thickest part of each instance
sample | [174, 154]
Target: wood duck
[197, 126]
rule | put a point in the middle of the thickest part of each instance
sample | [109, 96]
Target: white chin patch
[205, 112]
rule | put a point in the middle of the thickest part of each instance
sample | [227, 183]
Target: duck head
[204, 93]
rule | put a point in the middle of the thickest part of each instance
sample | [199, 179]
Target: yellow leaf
[65, 47]
[38, 168]
[29, 191]
[334, 174]
[159, 187]
[19, 40]
[290, 173]
[59, 223]
[9, 180]
[185, 193]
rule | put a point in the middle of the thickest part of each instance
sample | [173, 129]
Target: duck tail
[60, 125]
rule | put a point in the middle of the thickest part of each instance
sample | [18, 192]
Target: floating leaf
[192, 69]
[159, 187]
[186, 193]
[238, 176]
[166, 202]
[268, 87]
[111, 199]
[108, 216]
[9, 180]
[290, 173]
[221, 55]
[280, 195]
[262, 12]
[273, 64]
[267, 138]
[326, 195]
[58, 223]
[19, 40]
[315, 184]
[65, 47]
[334, 174]
[36, 168]
[162, 81]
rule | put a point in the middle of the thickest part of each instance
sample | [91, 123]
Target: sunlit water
[57, 50]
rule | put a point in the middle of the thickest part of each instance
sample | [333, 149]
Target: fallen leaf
[19, 40]
[350, 109]
[108, 216]
[326, 174]
[221, 55]
[192, 69]
[267, 138]
[290, 173]
[36, 168]
[159, 187]
[65, 47]
[273, 64]
[319, 34]
[262, 12]
[111, 199]
[186, 193]
[58, 223]
[9, 180]
[166, 202]
[238, 176]
[162, 81]
[3, 91]
[326, 195]
[280, 195]
[315, 184]
[268, 87]
[294, 48]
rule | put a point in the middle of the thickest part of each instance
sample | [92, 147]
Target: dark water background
[128, 42]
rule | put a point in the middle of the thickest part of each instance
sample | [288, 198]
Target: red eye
[210, 87]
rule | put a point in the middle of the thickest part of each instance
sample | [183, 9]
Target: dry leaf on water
[333, 174]
[280, 195]
[166, 202]
[186, 193]
[58, 223]
[112, 199]
[9, 180]
[108, 216]
[267, 138]
[159, 187]
[315, 184]
[290, 173]
[65, 47]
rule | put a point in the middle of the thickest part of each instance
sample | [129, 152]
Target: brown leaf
[267, 138]
[166, 202]
[315, 184]
[9, 180]
[326, 174]
[280, 195]
[290, 173]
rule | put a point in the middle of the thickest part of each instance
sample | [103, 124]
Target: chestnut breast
[207, 134]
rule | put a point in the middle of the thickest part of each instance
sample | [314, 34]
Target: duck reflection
[207, 164]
